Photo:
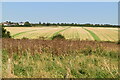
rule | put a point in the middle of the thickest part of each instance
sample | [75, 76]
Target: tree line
[28, 24]
[75, 24]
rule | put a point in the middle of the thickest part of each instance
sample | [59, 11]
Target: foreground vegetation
[35, 58]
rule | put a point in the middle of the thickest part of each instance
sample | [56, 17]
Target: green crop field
[75, 33]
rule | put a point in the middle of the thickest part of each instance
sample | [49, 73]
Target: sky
[60, 0]
[66, 12]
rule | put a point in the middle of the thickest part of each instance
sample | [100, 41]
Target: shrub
[118, 42]
[42, 38]
[58, 36]
[27, 24]
[24, 38]
[5, 33]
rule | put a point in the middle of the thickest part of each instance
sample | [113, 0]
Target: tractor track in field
[20, 33]
[104, 37]
[78, 36]
[50, 35]
[93, 34]
[56, 33]
[17, 34]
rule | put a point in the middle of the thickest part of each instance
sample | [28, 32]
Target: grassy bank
[35, 58]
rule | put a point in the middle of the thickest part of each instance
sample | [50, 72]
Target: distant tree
[72, 24]
[44, 24]
[10, 22]
[48, 24]
[17, 24]
[75, 24]
[58, 24]
[27, 23]
[39, 22]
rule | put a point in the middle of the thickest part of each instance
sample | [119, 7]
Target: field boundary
[93, 34]
[22, 33]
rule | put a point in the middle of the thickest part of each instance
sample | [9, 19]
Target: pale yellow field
[77, 33]
[105, 34]
[15, 30]
[46, 32]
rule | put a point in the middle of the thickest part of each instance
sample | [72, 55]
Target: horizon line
[61, 22]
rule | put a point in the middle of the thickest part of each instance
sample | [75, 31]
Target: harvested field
[74, 33]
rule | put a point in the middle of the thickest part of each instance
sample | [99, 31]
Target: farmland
[74, 33]
[60, 40]
[86, 52]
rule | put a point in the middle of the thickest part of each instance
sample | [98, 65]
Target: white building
[21, 23]
[6, 24]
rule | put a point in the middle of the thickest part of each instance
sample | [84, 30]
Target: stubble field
[74, 33]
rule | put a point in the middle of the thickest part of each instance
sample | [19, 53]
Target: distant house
[21, 23]
[6, 23]
[9, 23]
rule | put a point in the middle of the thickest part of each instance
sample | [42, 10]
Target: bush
[58, 36]
[24, 38]
[42, 38]
[5, 33]
[27, 24]
[118, 42]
